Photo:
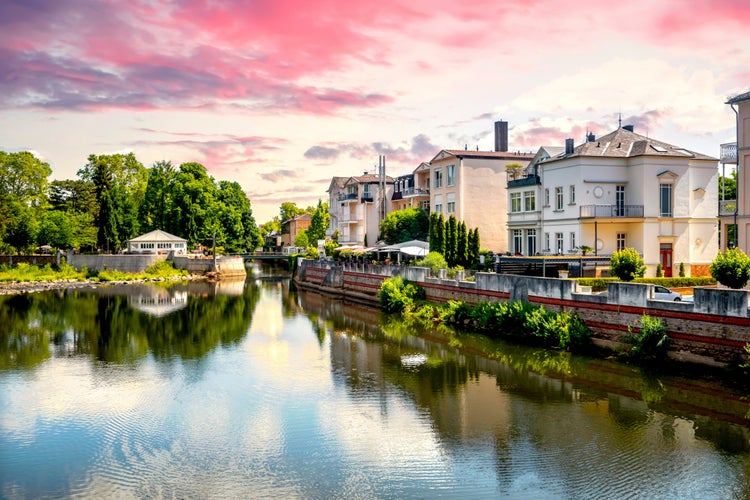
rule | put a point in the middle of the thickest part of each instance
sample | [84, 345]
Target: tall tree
[318, 223]
[157, 199]
[194, 215]
[289, 210]
[451, 241]
[462, 257]
[405, 225]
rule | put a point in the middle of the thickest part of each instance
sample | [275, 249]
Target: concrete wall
[226, 266]
[712, 330]
[126, 263]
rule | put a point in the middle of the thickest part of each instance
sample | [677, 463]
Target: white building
[357, 205]
[157, 241]
[624, 190]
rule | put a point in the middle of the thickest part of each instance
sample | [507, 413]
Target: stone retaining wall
[127, 263]
[712, 330]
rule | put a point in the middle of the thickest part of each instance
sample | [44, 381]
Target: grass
[26, 273]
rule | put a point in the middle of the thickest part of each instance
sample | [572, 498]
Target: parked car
[662, 293]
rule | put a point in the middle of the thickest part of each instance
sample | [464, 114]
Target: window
[439, 203]
[517, 241]
[559, 242]
[619, 201]
[620, 241]
[546, 242]
[366, 192]
[665, 200]
[438, 178]
[451, 203]
[529, 201]
[572, 241]
[572, 194]
[531, 241]
[515, 202]
[451, 174]
[558, 198]
[546, 197]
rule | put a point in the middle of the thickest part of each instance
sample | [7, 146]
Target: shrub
[659, 271]
[731, 268]
[433, 260]
[651, 343]
[682, 270]
[398, 295]
[627, 264]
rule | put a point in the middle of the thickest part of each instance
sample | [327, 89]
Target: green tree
[451, 241]
[56, 229]
[301, 240]
[157, 198]
[405, 225]
[731, 268]
[73, 196]
[289, 210]
[318, 222]
[193, 213]
[23, 178]
[119, 183]
[474, 246]
[627, 264]
[20, 233]
[462, 244]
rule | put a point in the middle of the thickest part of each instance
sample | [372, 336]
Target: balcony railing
[728, 153]
[727, 207]
[415, 192]
[346, 196]
[527, 180]
[611, 211]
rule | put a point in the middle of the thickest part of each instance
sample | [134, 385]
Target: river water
[255, 390]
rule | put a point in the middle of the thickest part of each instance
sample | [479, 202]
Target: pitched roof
[465, 153]
[369, 178]
[622, 143]
[739, 98]
[156, 235]
[337, 182]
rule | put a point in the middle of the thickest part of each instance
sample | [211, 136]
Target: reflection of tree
[101, 324]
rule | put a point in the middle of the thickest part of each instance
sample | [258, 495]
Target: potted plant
[585, 249]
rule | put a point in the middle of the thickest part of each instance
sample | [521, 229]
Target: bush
[627, 264]
[682, 270]
[433, 260]
[659, 271]
[398, 295]
[651, 343]
[731, 268]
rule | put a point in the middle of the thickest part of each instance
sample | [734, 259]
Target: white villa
[616, 191]
[157, 241]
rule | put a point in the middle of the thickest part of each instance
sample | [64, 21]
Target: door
[665, 253]
[620, 201]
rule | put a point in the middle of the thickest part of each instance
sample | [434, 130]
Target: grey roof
[156, 236]
[623, 143]
[739, 98]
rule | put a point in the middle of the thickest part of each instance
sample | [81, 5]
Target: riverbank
[16, 287]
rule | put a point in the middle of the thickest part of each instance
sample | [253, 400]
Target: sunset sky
[281, 95]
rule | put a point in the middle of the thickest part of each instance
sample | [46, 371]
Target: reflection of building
[157, 241]
[158, 302]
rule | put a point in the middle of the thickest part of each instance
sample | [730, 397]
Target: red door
[665, 252]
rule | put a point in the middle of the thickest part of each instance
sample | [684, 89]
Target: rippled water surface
[248, 390]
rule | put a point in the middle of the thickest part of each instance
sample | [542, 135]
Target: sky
[282, 95]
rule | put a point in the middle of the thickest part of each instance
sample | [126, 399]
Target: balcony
[727, 207]
[728, 153]
[346, 197]
[611, 211]
[526, 180]
[367, 199]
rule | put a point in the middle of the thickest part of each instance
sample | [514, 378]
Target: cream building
[472, 186]
[627, 190]
[738, 211]
[357, 205]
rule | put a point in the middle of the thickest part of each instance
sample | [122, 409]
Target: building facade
[627, 190]
[412, 190]
[357, 205]
[738, 212]
[290, 228]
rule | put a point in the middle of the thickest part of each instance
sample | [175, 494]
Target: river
[255, 390]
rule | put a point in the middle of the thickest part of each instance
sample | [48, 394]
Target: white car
[662, 293]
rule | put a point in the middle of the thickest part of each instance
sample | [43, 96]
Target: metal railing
[728, 153]
[727, 207]
[611, 211]
[527, 180]
[346, 196]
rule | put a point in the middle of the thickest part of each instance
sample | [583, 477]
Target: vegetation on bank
[26, 273]
[519, 321]
[600, 284]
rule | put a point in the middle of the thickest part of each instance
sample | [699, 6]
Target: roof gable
[156, 235]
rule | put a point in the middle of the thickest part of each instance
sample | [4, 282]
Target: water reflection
[124, 323]
[258, 390]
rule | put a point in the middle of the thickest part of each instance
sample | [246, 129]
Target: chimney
[569, 146]
[590, 137]
[501, 136]
[629, 128]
